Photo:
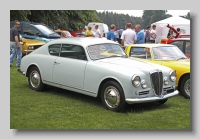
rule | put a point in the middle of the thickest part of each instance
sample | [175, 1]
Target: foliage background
[78, 19]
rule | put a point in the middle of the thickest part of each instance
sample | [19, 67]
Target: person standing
[120, 34]
[147, 36]
[153, 34]
[88, 32]
[97, 32]
[139, 34]
[128, 36]
[111, 34]
[15, 44]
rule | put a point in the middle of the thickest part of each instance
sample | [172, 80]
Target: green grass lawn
[61, 109]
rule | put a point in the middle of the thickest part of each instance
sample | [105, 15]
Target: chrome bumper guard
[151, 99]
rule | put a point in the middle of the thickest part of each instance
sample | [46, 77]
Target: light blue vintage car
[98, 67]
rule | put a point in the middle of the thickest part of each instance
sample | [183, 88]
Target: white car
[98, 67]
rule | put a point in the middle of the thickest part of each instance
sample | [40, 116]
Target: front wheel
[35, 80]
[112, 96]
[185, 87]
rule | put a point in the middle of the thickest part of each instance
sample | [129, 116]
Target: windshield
[168, 52]
[45, 29]
[107, 50]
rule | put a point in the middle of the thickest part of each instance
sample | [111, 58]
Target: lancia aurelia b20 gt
[98, 67]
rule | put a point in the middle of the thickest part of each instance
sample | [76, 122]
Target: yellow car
[29, 45]
[166, 55]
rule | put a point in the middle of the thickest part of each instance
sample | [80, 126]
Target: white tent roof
[174, 20]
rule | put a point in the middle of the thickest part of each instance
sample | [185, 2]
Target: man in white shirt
[128, 36]
[97, 32]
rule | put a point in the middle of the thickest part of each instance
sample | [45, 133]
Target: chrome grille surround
[156, 77]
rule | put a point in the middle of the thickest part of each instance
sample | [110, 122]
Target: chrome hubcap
[187, 87]
[35, 79]
[111, 97]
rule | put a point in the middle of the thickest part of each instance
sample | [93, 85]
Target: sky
[139, 13]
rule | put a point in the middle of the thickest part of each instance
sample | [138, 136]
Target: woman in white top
[153, 34]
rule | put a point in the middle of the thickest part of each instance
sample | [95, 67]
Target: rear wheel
[112, 96]
[185, 87]
[35, 80]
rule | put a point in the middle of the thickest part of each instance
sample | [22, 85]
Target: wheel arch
[104, 81]
[30, 66]
[181, 78]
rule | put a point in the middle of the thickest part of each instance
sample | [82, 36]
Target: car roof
[150, 45]
[83, 41]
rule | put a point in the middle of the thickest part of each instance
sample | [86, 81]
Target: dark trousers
[152, 41]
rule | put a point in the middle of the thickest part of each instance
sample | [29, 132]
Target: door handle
[56, 62]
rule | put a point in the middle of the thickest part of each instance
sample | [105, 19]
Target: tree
[186, 16]
[20, 15]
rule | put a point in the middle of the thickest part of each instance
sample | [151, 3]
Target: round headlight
[143, 84]
[166, 81]
[31, 47]
[172, 76]
[136, 81]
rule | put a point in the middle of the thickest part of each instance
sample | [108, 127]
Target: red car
[78, 33]
[178, 35]
[183, 44]
[182, 41]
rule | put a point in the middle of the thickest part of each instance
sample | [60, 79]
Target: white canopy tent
[176, 22]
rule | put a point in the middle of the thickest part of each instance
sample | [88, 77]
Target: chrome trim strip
[150, 99]
[70, 87]
[137, 92]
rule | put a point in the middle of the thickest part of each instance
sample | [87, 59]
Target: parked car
[36, 31]
[29, 45]
[178, 35]
[183, 44]
[166, 55]
[78, 33]
[98, 67]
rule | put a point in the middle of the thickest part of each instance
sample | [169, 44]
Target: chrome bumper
[151, 99]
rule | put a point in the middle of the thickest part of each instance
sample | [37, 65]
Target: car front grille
[37, 46]
[156, 81]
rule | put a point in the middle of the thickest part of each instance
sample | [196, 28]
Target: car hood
[126, 62]
[33, 42]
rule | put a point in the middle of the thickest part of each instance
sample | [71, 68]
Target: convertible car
[166, 55]
[99, 68]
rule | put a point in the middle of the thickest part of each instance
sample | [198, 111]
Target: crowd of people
[131, 35]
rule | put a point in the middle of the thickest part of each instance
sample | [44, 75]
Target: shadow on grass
[136, 108]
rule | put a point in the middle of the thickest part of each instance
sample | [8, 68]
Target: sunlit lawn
[60, 109]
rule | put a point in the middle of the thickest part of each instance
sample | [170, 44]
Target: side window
[30, 30]
[73, 51]
[140, 52]
[179, 44]
[54, 49]
[187, 47]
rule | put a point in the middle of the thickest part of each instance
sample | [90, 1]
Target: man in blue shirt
[140, 34]
[110, 34]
